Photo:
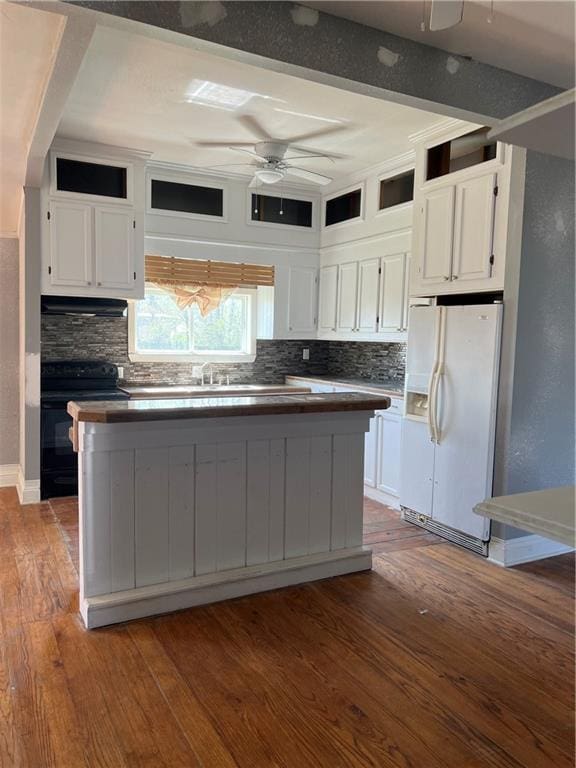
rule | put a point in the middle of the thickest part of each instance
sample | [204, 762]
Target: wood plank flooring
[435, 659]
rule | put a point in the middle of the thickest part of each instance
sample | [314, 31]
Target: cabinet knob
[446, 277]
[454, 277]
[89, 282]
[99, 283]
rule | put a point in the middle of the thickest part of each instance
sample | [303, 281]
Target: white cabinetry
[367, 312]
[382, 448]
[393, 293]
[464, 223]
[328, 298]
[302, 300]
[347, 296]
[93, 222]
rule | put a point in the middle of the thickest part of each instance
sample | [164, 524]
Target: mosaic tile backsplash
[103, 338]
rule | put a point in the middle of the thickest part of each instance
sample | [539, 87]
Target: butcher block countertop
[172, 391]
[160, 409]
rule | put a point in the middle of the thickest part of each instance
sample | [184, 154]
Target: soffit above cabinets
[153, 95]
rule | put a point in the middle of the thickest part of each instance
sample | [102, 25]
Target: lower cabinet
[382, 455]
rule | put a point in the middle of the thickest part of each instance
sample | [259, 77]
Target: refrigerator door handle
[431, 412]
[434, 406]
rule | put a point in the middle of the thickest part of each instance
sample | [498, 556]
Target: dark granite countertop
[391, 388]
[177, 391]
[115, 411]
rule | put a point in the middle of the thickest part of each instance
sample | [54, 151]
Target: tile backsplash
[104, 338]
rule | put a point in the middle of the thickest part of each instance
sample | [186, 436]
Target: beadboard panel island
[184, 502]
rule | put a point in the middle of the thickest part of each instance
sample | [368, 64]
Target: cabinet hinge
[49, 270]
[134, 224]
[377, 319]
[134, 275]
[491, 260]
[48, 215]
[496, 191]
[379, 270]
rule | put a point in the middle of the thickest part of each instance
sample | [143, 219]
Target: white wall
[9, 353]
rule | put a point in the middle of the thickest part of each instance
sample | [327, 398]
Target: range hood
[81, 305]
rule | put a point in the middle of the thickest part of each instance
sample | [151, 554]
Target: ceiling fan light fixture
[269, 175]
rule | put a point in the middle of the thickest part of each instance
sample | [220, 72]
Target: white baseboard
[214, 587]
[28, 490]
[524, 549]
[8, 475]
[382, 497]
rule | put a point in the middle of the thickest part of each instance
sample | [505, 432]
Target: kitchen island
[190, 501]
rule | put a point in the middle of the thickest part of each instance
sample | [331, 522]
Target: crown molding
[62, 144]
[439, 129]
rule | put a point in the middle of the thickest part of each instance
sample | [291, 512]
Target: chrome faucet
[203, 367]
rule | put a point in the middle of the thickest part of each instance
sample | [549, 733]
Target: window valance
[168, 270]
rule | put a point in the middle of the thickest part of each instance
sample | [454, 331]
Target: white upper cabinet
[328, 298]
[436, 224]
[114, 248]
[347, 296]
[474, 228]
[93, 222]
[467, 213]
[70, 244]
[393, 289]
[302, 300]
[368, 282]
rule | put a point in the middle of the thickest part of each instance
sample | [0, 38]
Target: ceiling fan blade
[317, 134]
[225, 144]
[252, 124]
[317, 178]
[231, 165]
[312, 151]
[309, 157]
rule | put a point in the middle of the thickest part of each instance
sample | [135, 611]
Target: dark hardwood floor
[435, 659]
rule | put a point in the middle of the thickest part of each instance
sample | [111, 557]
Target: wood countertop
[549, 513]
[211, 390]
[160, 409]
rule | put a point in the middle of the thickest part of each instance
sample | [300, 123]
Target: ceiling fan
[269, 159]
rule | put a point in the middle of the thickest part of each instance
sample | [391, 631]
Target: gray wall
[536, 438]
[9, 359]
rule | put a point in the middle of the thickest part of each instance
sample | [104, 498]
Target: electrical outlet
[197, 371]
[306, 354]
[120, 371]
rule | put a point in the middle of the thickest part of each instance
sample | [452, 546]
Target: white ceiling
[28, 40]
[132, 91]
[534, 38]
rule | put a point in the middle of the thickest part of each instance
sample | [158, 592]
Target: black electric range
[62, 381]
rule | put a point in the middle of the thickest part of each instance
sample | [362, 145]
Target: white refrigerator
[450, 416]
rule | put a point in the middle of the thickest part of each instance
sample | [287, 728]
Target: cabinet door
[393, 293]
[114, 248]
[436, 234]
[367, 313]
[370, 453]
[302, 285]
[347, 296]
[474, 228]
[70, 244]
[328, 298]
[389, 446]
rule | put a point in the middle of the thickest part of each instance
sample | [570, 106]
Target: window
[187, 198]
[344, 207]
[396, 190]
[91, 178]
[281, 210]
[463, 152]
[160, 331]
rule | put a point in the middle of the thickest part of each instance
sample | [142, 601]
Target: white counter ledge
[549, 513]
[190, 501]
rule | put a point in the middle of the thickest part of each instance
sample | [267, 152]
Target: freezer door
[416, 467]
[421, 352]
[466, 416]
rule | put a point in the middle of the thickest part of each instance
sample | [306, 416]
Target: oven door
[59, 475]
